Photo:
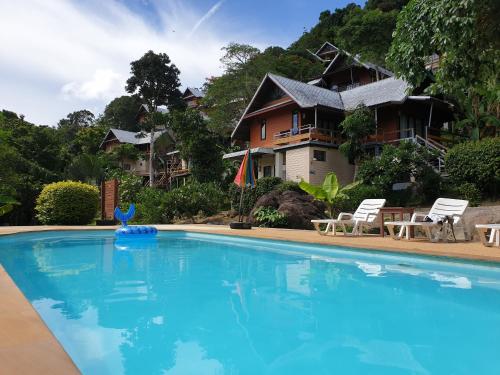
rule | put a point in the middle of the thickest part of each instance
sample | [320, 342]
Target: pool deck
[28, 347]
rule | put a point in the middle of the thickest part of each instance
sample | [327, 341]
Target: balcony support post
[430, 120]
[315, 117]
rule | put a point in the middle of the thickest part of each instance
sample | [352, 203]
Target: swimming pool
[204, 304]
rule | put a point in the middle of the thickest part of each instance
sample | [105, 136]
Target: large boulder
[299, 208]
[480, 215]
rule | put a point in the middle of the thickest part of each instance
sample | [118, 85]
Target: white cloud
[59, 55]
[103, 85]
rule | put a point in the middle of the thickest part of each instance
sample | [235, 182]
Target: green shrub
[355, 196]
[264, 185]
[67, 203]
[149, 206]
[129, 188]
[402, 164]
[469, 192]
[270, 217]
[289, 186]
[477, 163]
[192, 199]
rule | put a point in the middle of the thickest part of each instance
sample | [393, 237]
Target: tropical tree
[244, 68]
[355, 128]
[7, 204]
[74, 121]
[121, 113]
[89, 168]
[198, 144]
[329, 191]
[155, 79]
[368, 33]
[464, 36]
[125, 151]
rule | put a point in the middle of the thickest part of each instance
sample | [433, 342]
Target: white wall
[300, 164]
[335, 162]
[297, 164]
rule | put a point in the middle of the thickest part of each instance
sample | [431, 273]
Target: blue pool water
[202, 304]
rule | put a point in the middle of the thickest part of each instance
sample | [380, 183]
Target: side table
[392, 212]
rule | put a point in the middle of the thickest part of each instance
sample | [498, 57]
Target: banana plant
[329, 191]
[7, 204]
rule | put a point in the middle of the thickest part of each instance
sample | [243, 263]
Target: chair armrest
[417, 215]
[345, 216]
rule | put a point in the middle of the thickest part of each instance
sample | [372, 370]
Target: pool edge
[27, 346]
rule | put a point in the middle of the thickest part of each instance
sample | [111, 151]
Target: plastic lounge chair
[493, 238]
[366, 215]
[449, 211]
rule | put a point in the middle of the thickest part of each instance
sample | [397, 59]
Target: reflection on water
[191, 306]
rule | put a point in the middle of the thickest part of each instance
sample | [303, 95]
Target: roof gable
[193, 91]
[347, 59]
[326, 49]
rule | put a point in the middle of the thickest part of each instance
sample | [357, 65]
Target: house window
[268, 171]
[319, 155]
[126, 167]
[295, 122]
[263, 129]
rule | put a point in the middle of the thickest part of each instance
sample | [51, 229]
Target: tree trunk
[151, 153]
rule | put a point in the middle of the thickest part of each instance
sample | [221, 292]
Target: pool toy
[133, 231]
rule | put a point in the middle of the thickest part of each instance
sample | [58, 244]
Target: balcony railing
[305, 133]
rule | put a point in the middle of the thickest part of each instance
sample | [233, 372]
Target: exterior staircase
[440, 150]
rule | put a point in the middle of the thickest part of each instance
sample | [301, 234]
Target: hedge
[476, 162]
[67, 203]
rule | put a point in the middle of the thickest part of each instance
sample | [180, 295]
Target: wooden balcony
[305, 133]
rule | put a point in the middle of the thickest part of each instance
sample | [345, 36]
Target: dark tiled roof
[306, 95]
[195, 91]
[379, 92]
[134, 138]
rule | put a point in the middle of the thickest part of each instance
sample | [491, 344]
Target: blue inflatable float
[133, 231]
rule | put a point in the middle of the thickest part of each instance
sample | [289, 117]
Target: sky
[59, 56]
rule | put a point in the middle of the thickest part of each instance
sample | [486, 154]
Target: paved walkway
[28, 347]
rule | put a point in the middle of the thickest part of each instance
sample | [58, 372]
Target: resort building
[292, 127]
[192, 96]
[170, 170]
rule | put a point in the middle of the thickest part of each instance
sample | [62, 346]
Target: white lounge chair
[366, 215]
[494, 237]
[442, 208]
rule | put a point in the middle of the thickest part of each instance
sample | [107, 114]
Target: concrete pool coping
[27, 346]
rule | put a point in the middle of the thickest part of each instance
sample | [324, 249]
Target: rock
[473, 216]
[299, 208]
[480, 215]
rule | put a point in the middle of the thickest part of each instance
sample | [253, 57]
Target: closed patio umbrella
[245, 178]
